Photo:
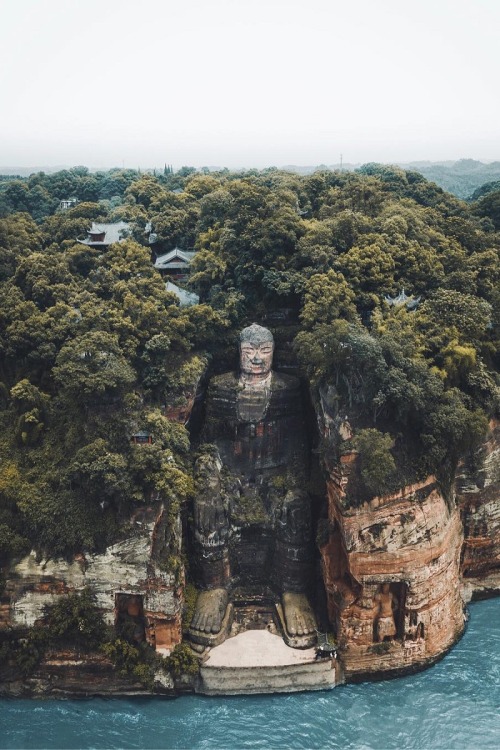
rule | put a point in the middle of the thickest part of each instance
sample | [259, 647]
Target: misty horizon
[273, 83]
[24, 171]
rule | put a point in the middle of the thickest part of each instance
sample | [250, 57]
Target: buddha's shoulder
[224, 387]
[228, 380]
[282, 381]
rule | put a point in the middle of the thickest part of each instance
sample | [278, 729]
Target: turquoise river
[455, 705]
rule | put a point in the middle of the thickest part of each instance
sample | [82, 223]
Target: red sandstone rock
[478, 496]
[411, 542]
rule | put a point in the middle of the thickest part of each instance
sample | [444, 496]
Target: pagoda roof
[112, 233]
[186, 299]
[403, 299]
[176, 258]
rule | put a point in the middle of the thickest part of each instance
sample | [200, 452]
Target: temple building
[186, 299]
[142, 437]
[175, 264]
[103, 235]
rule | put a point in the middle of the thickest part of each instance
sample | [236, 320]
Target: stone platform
[256, 661]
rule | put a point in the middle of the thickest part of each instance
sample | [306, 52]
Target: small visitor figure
[384, 606]
[252, 521]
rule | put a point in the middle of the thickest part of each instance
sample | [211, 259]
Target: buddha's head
[256, 352]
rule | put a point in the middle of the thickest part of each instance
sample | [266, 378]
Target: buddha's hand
[210, 519]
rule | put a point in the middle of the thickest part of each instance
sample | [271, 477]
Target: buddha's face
[256, 358]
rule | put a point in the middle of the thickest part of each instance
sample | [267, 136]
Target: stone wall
[318, 675]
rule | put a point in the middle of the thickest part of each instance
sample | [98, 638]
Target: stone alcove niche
[416, 628]
[260, 493]
[394, 595]
[129, 617]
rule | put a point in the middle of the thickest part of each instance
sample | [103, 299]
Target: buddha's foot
[210, 617]
[299, 619]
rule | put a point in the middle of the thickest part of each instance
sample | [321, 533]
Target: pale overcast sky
[138, 83]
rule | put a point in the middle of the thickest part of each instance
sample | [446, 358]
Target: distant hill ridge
[462, 178]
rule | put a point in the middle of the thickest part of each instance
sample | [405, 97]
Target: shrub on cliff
[138, 662]
[377, 464]
[182, 661]
[74, 619]
[72, 622]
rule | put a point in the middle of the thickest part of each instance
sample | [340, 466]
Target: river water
[453, 705]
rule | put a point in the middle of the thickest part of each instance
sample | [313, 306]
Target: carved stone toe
[212, 618]
[298, 620]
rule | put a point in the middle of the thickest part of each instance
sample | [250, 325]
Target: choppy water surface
[455, 704]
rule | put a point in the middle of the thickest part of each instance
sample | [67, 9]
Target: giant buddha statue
[252, 522]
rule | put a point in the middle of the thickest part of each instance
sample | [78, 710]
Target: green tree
[377, 464]
[99, 474]
[488, 206]
[92, 366]
[327, 297]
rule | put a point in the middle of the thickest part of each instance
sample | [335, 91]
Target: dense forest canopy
[93, 347]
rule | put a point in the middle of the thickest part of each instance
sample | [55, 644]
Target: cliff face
[395, 570]
[128, 569]
[391, 570]
[478, 497]
[391, 566]
[138, 581]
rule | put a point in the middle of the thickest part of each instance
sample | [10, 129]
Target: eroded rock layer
[391, 570]
[128, 581]
[63, 674]
[478, 496]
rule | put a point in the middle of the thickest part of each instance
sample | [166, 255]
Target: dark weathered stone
[252, 516]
